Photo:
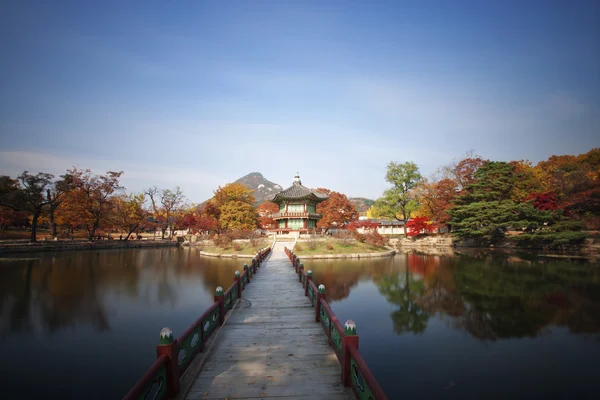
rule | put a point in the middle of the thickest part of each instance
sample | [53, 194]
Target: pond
[85, 324]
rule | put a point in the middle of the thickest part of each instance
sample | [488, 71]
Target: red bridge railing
[343, 339]
[174, 356]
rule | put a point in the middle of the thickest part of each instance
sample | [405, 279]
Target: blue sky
[198, 93]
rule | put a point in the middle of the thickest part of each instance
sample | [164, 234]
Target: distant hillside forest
[550, 204]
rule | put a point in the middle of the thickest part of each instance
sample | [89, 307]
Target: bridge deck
[271, 347]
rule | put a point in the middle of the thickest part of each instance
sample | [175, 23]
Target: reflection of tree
[515, 299]
[403, 291]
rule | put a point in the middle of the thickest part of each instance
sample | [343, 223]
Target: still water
[85, 324]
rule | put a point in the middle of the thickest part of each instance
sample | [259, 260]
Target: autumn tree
[234, 206]
[165, 205]
[93, 197]
[435, 198]
[233, 192]
[576, 182]
[400, 200]
[485, 211]
[55, 196]
[419, 225]
[238, 215]
[10, 217]
[32, 194]
[130, 213]
[462, 171]
[337, 211]
[265, 211]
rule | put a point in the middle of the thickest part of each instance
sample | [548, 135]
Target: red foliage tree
[419, 225]
[265, 211]
[545, 201]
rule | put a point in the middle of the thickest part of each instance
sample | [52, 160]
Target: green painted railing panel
[188, 348]
[336, 340]
[229, 301]
[210, 323]
[157, 389]
[324, 319]
[311, 296]
[359, 383]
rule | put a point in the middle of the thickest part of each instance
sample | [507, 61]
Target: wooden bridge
[279, 340]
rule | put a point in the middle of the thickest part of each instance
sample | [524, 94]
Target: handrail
[355, 372]
[173, 354]
[372, 384]
[142, 387]
[334, 324]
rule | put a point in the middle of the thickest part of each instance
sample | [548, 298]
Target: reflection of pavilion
[297, 208]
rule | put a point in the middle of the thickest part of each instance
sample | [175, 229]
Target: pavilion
[297, 208]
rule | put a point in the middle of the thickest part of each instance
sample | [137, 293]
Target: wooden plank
[271, 347]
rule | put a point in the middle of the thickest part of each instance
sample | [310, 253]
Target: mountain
[261, 186]
[362, 204]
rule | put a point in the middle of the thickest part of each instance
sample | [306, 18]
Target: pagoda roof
[298, 192]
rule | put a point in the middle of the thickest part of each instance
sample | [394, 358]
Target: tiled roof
[296, 192]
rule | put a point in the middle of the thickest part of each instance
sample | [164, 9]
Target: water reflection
[49, 293]
[489, 295]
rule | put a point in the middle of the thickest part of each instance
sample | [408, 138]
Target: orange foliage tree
[337, 211]
[93, 198]
[265, 211]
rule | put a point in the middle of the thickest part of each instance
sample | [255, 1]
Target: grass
[334, 246]
[238, 248]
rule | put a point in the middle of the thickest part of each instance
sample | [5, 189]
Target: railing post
[221, 299]
[320, 295]
[308, 279]
[254, 263]
[168, 347]
[349, 339]
[238, 283]
[297, 264]
[300, 272]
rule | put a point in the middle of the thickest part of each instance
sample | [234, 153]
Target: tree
[170, 201]
[233, 192]
[400, 200]
[238, 215]
[233, 206]
[576, 182]
[485, 211]
[55, 196]
[265, 211]
[10, 217]
[337, 211]
[419, 225]
[165, 204]
[26, 194]
[94, 197]
[130, 213]
[435, 198]
[462, 172]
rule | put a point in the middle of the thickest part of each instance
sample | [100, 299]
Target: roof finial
[297, 180]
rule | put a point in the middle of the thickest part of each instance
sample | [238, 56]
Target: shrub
[223, 241]
[374, 238]
[311, 243]
[298, 247]
[360, 237]
[237, 246]
[329, 247]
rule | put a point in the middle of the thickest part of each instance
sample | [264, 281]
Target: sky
[199, 93]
